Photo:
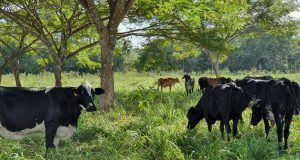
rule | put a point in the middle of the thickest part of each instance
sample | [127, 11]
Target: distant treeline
[268, 53]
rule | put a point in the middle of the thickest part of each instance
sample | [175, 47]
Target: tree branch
[81, 49]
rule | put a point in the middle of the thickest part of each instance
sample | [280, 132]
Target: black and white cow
[189, 83]
[222, 102]
[54, 111]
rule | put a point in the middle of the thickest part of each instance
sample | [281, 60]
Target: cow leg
[209, 127]
[267, 126]
[279, 127]
[222, 129]
[228, 129]
[170, 88]
[50, 134]
[235, 128]
[288, 120]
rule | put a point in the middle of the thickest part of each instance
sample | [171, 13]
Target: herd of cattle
[224, 99]
[55, 111]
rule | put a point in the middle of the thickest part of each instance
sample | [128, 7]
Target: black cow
[260, 78]
[277, 100]
[189, 84]
[223, 102]
[257, 94]
[54, 111]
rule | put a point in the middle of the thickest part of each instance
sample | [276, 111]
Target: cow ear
[99, 91]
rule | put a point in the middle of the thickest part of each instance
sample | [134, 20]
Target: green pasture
[149, 124]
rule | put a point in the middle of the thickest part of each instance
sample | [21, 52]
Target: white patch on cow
[270, 115]
[88, 87]
[56, 141]
[63, 133]
[21, 134]
[82, 106]
[224, 86]
[48, 89]
[253, 101]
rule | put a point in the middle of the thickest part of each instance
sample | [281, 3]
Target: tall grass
[148, 124]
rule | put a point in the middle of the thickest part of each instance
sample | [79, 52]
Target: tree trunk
[57, 71]
[1, 72]
[15, 70]
[108, 34]
[215, 67]
[214, 63]
[107, 80]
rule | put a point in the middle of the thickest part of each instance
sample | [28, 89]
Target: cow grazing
[257, 94]
[167, 82]
[54, 111]
[223, 102]
[277, 100]
[204, 82]
[189, 84]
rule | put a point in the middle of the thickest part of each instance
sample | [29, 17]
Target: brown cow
[165, 82]
[205, 82]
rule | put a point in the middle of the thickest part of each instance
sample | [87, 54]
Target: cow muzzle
[90, 107]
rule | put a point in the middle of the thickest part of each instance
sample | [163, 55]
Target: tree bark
[16, 73]
[215, 67]
[57, 71]
[214, 62]
[107, 79]
[1, 71]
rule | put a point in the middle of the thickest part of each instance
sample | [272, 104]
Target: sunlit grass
[149, 124]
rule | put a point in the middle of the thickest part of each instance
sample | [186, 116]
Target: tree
[266, 52]
[214, 25]
[123, 50]
[107, 29]
[14, 43]
[56, 24]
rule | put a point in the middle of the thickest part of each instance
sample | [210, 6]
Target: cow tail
[293, 94]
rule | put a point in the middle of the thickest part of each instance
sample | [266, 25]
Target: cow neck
[75, 101]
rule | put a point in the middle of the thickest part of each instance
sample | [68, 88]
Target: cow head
[257, 114]
[194, 116]
[186, 77]
[86, 94]
[203, 83]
